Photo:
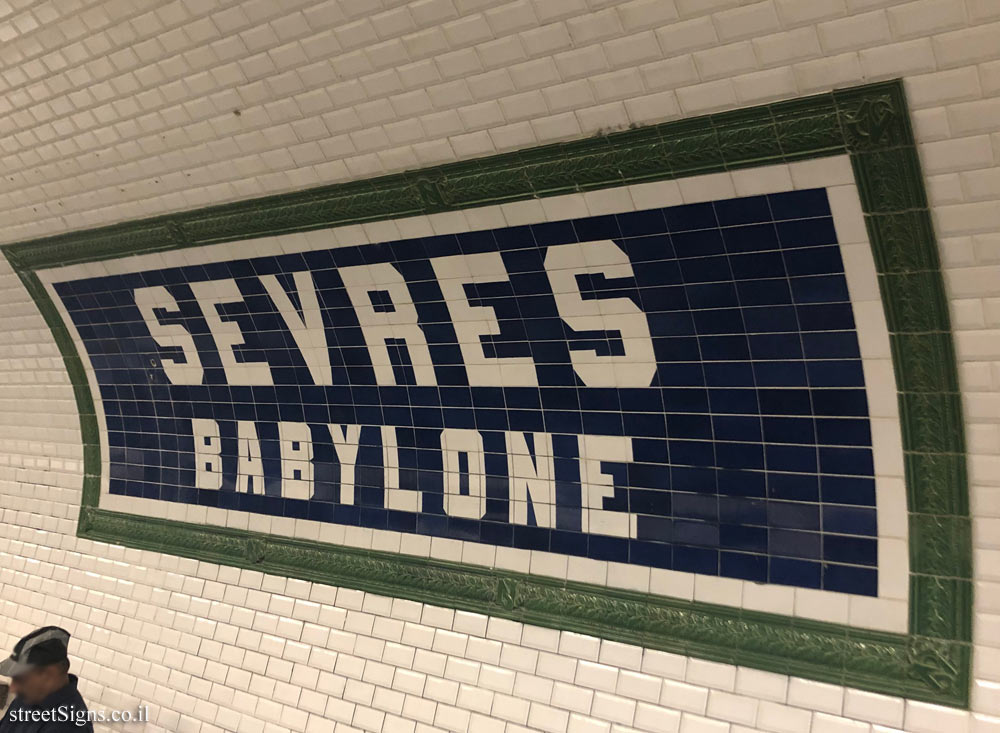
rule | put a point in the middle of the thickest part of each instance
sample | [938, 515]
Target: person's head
[38, 665]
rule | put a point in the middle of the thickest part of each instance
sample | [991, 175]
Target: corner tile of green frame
[939, 671]
[874, 117]
[14, 255]
[85, 519]
[432, 188]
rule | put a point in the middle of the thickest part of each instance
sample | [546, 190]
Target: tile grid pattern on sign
[887, 612]
[749, 457]
[102, 163]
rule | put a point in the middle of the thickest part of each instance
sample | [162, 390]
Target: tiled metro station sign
[628, 388]
[653, 398]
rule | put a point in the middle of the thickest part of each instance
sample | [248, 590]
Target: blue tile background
[752, 445]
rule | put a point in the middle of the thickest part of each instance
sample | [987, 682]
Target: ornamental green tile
[929, 361]
[936, 483]
[914, 302]
[889, 181]
[931, 422]
[937, 545]
[939, 671]
[938, 607]
[903, 242]
[875, 118]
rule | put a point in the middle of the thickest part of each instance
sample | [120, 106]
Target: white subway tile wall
[116, 110]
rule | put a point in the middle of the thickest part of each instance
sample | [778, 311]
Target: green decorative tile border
[871, 124]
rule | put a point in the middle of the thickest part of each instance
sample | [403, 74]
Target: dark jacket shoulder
[58, 713]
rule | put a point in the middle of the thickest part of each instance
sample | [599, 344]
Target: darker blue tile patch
[690, 217]
[749, 452]
[794, 515]
[849, 579]
[801, 544]
[746, 210]
[743, 565]
[797, 233]
[801, 573]
[806, 204]
[850, 520]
